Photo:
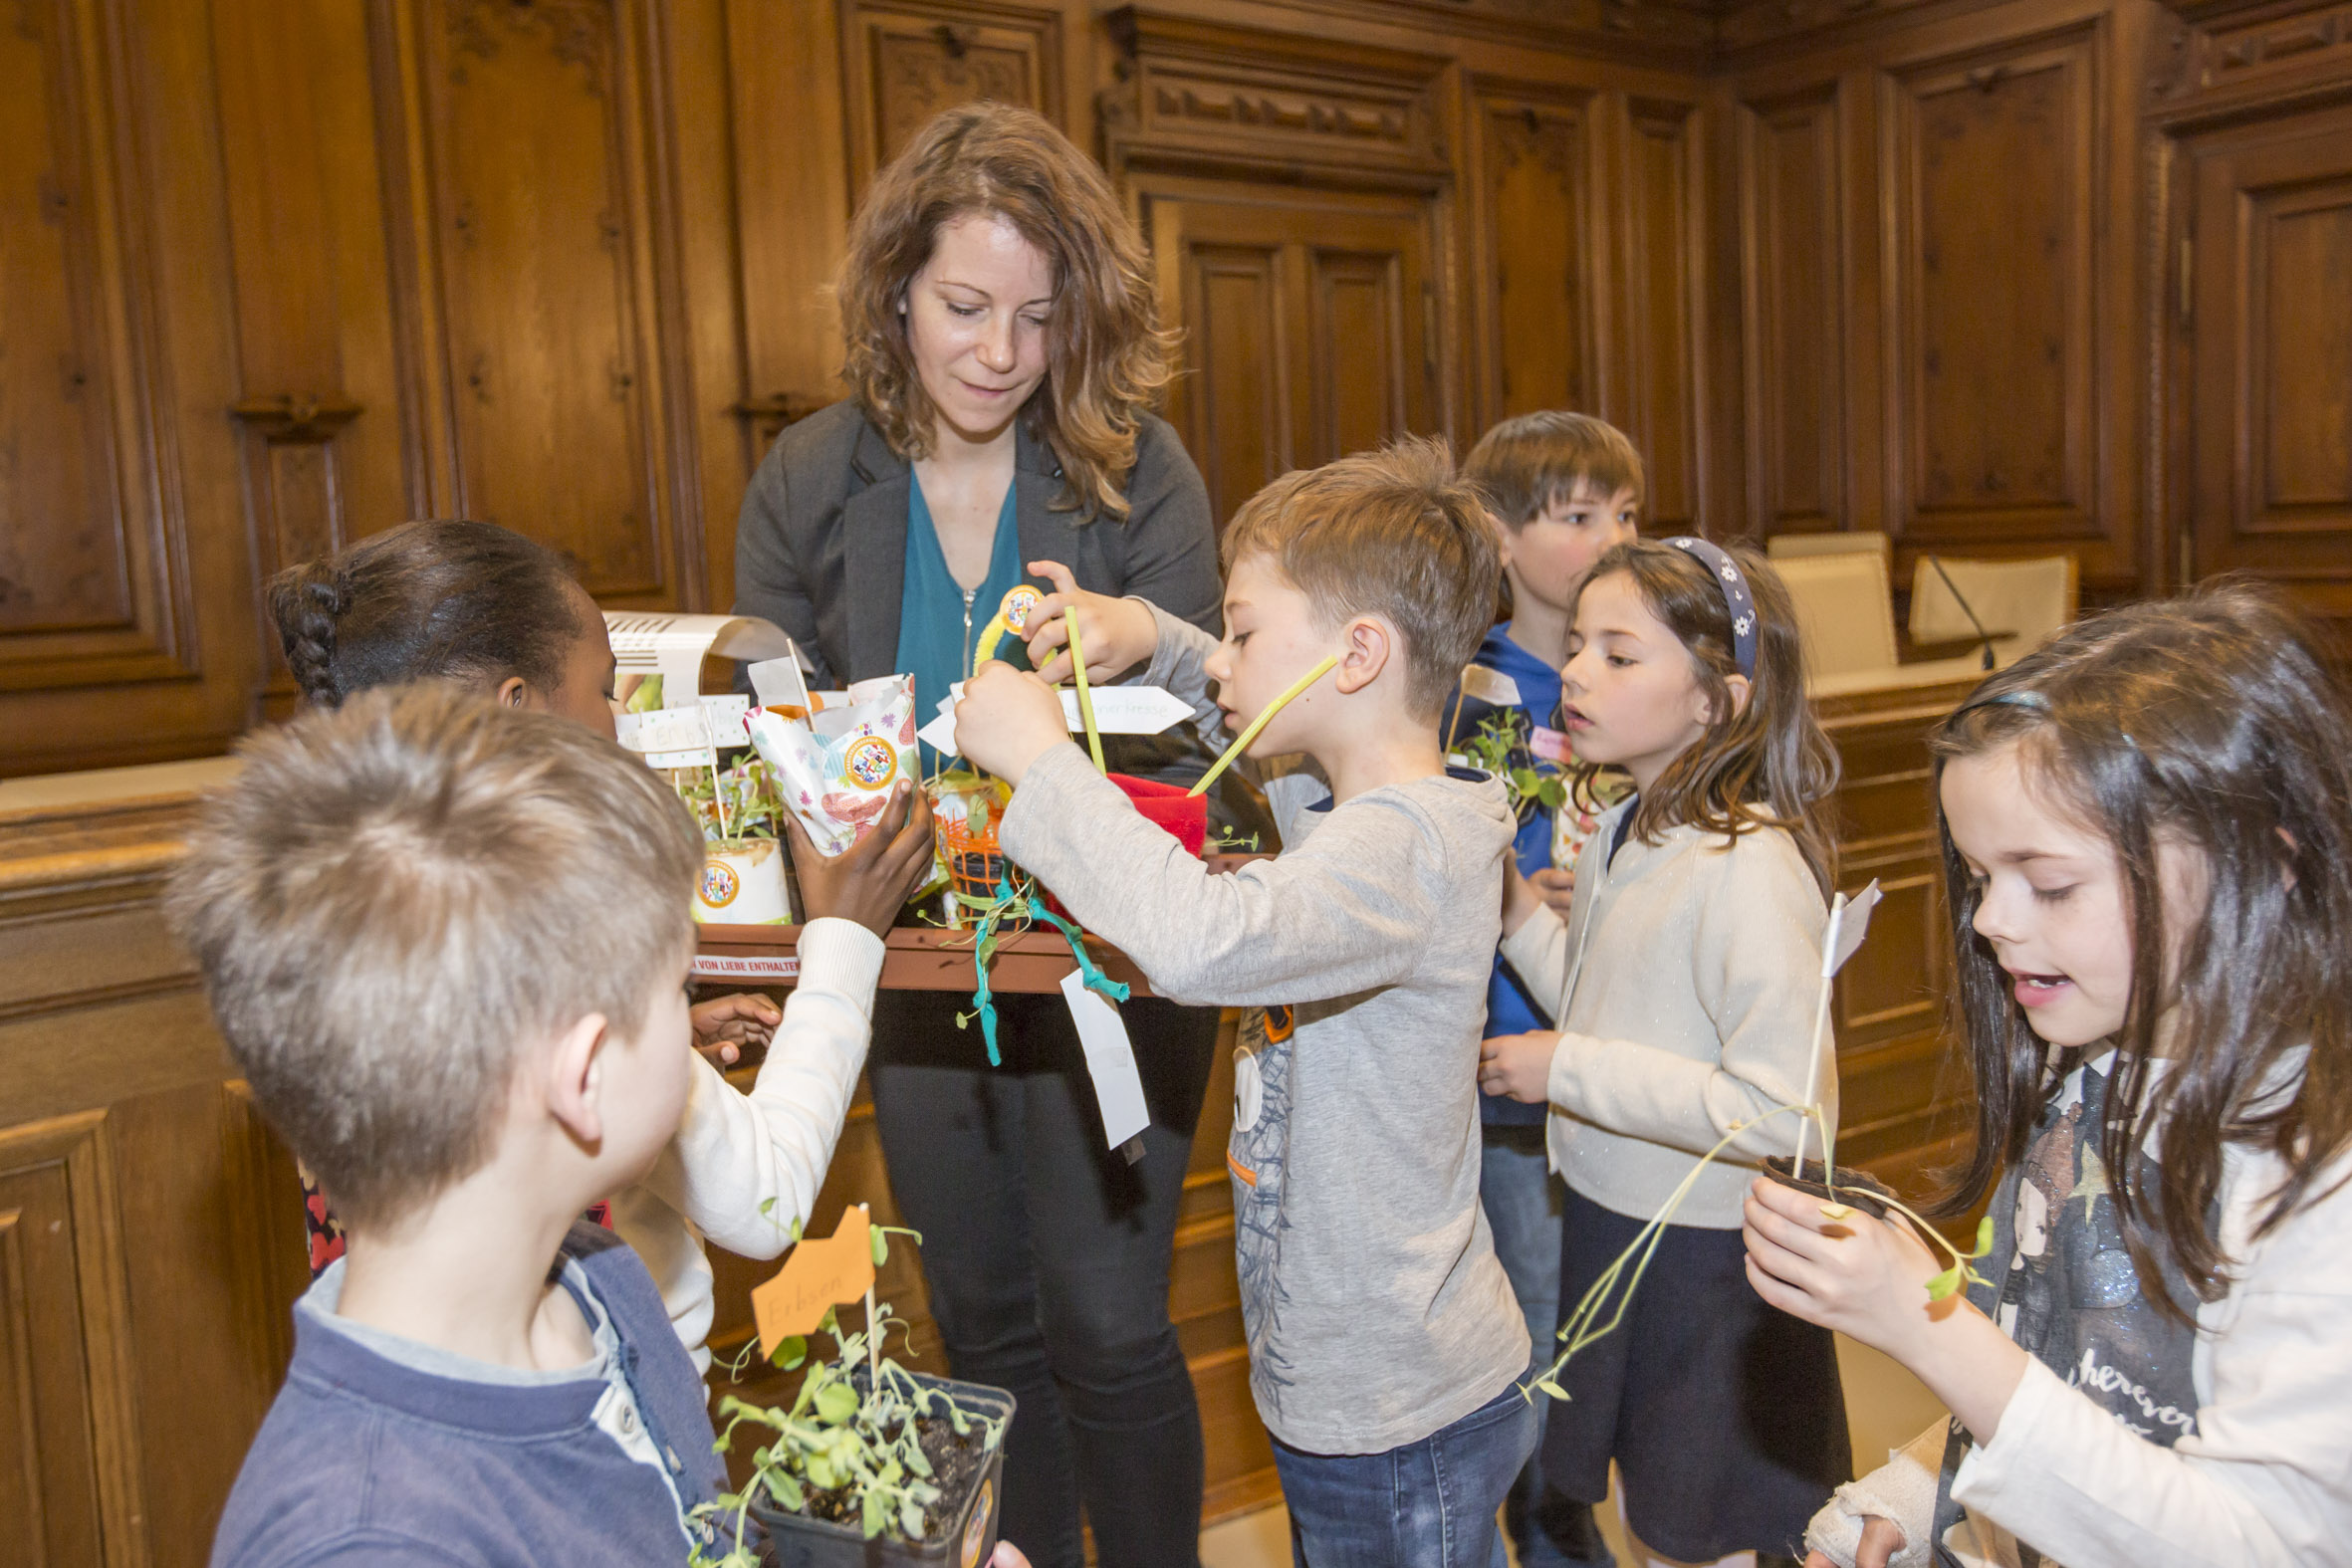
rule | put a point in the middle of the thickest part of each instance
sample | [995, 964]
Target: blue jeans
[1427, 1504]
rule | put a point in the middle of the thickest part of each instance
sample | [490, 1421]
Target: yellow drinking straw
[1241, 743]
[1077, 668]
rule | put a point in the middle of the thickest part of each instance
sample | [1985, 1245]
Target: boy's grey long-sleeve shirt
[1375, 1308]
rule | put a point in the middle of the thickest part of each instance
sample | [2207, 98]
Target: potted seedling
[871, 1463]
[1842, 1193]
[745, 874]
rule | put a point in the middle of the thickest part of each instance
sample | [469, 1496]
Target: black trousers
[1047, 1256]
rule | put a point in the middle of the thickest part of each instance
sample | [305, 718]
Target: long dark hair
[1766, 763]
[2209, 723]
[456, 601]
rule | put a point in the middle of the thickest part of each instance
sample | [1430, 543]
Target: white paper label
[746, 966]
[1111, 1060]
[1850, 922]
[1489, 686]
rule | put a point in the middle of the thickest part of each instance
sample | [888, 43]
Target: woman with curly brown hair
[1002, 354]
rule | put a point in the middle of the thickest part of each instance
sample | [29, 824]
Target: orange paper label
[819, 1276]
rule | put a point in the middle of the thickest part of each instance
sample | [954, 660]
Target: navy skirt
[1724, 1415]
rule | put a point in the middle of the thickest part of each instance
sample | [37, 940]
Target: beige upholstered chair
[1794, 547]
[1845, 614]
[2022, 603]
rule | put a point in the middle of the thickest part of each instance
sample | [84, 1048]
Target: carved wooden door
[2271, 335]
[1310, 324]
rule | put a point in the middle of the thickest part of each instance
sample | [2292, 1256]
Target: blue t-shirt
[937, 625]
[1511, 1008]
[395, 1456]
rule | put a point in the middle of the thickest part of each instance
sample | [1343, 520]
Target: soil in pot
[959, 1528]
[1856, 1188]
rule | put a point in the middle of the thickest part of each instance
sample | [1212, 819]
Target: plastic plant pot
[796, 1540]
[1855, 1188]
[967, 813]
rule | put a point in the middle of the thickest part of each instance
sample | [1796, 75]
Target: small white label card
[1111, 1060]
[1488, 686]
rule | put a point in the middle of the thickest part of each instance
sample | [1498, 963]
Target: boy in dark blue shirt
[1565, 488]
[448, 943]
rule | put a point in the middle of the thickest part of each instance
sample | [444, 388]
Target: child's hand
[1881, 1539]
[723, 1025]
[1007, 1555]
[1518, 1066]
[1116, 633]
[1864, 1278]
[870, 881]
[1555, 886]
[1008, 719]
[1868, 1280]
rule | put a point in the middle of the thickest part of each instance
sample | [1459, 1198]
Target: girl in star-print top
[2147, 835]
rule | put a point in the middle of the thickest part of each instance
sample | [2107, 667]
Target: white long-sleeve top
[744, 1167]
[1684, 984]
[2265, 1479]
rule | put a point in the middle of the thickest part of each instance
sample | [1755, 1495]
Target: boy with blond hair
[1566, 487]
[448, 943]
[1386, 1347]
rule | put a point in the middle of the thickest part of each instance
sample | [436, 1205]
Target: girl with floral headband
[1683, 986]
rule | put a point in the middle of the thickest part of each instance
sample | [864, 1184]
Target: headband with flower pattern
[1736, 597]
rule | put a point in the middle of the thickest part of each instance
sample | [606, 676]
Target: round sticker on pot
[720, 885]
[1020, 603]
[871, 763]
[976, 1528]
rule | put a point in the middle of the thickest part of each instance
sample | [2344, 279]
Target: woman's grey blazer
[821, 551]
[821, 546]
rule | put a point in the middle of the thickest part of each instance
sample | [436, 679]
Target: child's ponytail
[455, 600]
[306, 602]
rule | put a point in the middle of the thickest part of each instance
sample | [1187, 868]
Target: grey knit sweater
[1377, 1310]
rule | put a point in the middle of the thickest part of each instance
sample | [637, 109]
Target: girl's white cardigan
[735, 1153]
[1684, 984]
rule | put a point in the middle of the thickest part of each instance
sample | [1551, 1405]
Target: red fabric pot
[1185, 817]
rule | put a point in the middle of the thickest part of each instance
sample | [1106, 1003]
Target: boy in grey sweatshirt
[1384, 1341]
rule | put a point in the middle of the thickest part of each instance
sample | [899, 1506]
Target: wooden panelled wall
[1993, 277]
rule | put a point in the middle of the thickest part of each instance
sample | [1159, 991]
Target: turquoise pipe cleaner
[984, 944]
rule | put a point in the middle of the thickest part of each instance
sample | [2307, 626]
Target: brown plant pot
[1856, 1188]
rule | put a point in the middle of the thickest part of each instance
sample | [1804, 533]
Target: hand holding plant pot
[1008, 719]
[872, 880]
[1116, 634]
[1876, 1282]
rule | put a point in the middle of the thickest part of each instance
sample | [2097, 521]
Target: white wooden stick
[1814, 1085]
[1837, 911]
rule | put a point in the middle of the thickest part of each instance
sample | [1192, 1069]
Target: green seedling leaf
[958, 1422]
[787, 1491]
[791, 1352]
[1983, 1236]
[1551, 1388]
[880, 1244]
[910, 1519]
[1944, 1284]
[837, 1403]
